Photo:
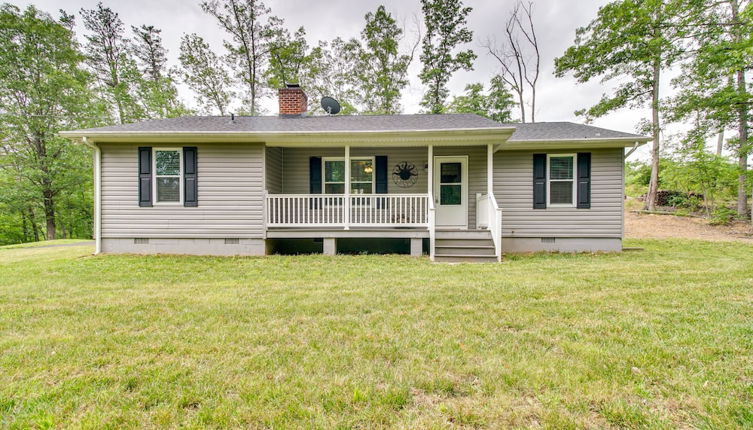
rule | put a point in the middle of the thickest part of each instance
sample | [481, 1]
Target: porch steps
[464, 246]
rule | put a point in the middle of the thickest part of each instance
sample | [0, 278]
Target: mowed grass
[661, 338]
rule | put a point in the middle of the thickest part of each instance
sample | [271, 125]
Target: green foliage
[250, 28]
[288, 56]
[381, 69]
[155, 86]
[722, 216]
[445, 22]
[331, 72]
[205, 74]
[690, 173]
[496, 104]
[108, 56]
[626, 42]
[44, 180]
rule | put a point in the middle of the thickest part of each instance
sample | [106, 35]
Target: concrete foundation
[330, 246]
[184, 246]
[561, 244]
[416, 247]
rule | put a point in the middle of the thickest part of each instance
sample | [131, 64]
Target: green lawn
[656, 339]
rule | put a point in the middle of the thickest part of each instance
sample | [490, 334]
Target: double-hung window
[168, 175]
[361, 175]
[561, 180]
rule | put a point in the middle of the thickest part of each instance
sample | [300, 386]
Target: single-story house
[459, 187]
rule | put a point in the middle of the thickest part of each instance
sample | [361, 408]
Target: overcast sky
[555, 20]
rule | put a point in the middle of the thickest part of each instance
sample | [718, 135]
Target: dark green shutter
[145, 176]
[190, 177]
[315, 179]
[315, 175]
[539, 181]
[584, 180]
[381, 176]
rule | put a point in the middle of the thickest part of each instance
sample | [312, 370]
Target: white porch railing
[363, 210]
[489, 217]
[495, 224]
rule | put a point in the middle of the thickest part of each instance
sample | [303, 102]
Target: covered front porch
[354, 191]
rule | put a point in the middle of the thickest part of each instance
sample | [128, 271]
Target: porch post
[431, 171]
[346, 206]
[490, 168]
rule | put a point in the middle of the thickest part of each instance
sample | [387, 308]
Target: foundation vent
[547, 240]
[232, 241]
[140, 241]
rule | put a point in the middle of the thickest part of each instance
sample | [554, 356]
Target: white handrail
[495, 225]
[432, 227]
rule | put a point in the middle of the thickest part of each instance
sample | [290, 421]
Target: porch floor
[340, 232]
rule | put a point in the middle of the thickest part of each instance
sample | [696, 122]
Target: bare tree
[519, 55]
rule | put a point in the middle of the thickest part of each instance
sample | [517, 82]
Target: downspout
[97, 194]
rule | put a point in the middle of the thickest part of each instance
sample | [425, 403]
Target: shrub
[722, 216]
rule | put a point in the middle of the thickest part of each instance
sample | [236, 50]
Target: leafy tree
[630, 41]
[251, 29]
[382, 69]
[43, 89]
[496, 104]
[446, 29]
[205, 74]
[712, 88]
[288, 56]
[156, 86]
[330, 72]
[109, 57]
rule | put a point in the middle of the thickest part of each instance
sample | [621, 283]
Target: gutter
[97, 194]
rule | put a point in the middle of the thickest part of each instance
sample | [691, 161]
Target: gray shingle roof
[304, 124]
[540, 131]
[543, 131]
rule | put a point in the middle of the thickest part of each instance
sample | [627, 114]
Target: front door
[451, 191]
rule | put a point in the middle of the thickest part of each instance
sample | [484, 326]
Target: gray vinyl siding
[230, 187]
[296, 168]
[273, 170]
[513, 188]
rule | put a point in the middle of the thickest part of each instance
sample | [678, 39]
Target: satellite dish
[330, 105]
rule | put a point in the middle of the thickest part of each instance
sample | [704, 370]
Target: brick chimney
[293, 101]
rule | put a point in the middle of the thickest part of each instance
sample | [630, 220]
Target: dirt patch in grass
[648, 226]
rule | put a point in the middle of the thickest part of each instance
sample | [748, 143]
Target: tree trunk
[653, 185]
[522, 107]
[34, 227]
[24, 227]
[533, 104]
[49, 212]
[742, 126]
[720, 142]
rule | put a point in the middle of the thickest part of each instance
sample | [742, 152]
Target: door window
[450, 184]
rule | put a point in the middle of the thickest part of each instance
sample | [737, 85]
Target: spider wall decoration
[405, 174]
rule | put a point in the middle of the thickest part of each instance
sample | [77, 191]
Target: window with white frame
[168, 175]
[361, 175]
[561, 179]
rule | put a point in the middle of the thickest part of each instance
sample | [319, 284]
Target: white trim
[156, 201]
[97, 195]
[359, 158]
[574, 180]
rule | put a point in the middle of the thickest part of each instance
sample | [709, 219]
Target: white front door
[451, 191]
